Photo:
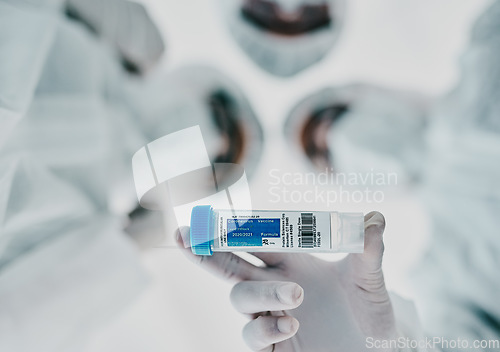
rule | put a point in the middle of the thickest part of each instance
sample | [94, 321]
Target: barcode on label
[307, 234]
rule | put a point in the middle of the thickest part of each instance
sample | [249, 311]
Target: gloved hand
[338, 305]
[126, 25]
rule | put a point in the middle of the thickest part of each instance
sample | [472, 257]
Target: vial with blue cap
[229, 230]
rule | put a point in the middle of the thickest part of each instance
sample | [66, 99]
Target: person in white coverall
[67, 133]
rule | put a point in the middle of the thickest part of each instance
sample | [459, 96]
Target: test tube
[227, 230]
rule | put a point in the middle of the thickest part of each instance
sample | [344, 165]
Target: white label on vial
[273, 230]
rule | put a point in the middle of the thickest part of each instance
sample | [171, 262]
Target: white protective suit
[67, 132]
[458, 284]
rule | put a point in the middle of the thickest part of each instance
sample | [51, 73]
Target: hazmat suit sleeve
[65, 265]
[22, 53]
[458, 283]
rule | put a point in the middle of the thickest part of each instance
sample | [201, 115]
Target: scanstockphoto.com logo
[432, 343]
[328, 187]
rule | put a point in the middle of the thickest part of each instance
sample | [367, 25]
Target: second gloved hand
[337, 305]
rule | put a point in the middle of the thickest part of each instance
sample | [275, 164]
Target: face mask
[362, 129]
[284, 37]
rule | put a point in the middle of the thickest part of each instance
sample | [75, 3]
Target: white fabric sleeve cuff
[411, 335]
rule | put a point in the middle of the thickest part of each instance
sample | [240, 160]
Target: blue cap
[201, 233]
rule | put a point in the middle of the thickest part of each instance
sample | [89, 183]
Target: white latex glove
[338, 304]
[126, 25]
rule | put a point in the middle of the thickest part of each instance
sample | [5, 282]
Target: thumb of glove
[366, 268]
[369, 298]
[369, 264]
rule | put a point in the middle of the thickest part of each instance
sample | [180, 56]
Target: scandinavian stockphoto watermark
[328, 187]
[432, 343]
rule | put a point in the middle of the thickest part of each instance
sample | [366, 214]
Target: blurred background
[408, 50]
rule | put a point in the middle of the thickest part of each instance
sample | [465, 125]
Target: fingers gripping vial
[220, 230]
